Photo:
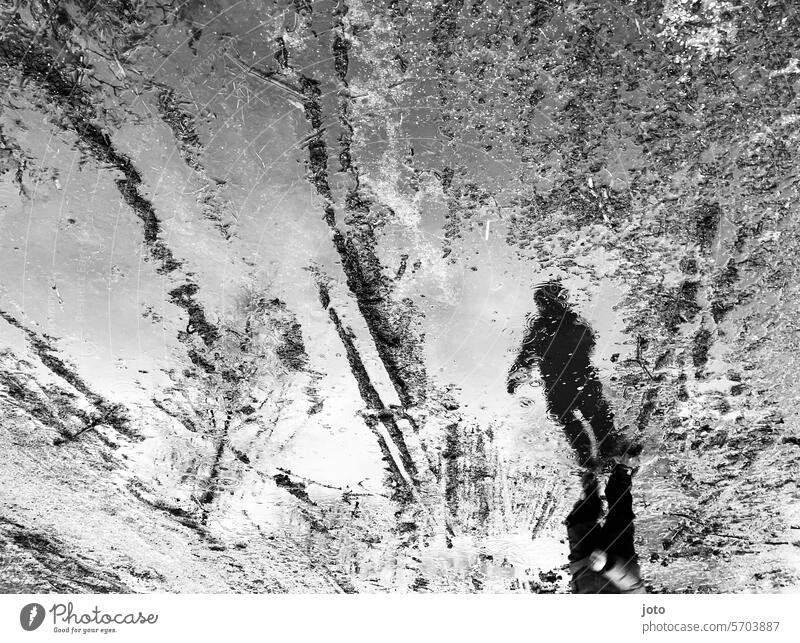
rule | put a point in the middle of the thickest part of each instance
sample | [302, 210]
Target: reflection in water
[561, 345]
[602, 555]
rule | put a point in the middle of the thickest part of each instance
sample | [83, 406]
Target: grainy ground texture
[265, 266]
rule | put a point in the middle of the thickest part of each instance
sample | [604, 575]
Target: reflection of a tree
[240, 381]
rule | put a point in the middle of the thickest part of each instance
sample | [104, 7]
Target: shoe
[598, 560]
[627, 456]
[628, 462]
[635, 449]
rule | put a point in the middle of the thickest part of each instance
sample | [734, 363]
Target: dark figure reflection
[561, 345]
[602, 555]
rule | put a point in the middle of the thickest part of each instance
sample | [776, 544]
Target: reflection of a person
[561, 345]
[602, 556]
